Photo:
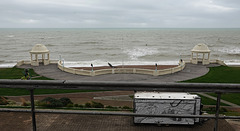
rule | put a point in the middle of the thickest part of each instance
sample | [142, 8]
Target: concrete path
[191, 71]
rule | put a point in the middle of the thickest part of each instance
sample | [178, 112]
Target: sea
[118, 46]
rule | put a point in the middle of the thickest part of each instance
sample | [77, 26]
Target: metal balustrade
[218, 88]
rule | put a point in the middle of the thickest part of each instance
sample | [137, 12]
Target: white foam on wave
[10, 36]
[232, 62]
[232, 50]
[7, 65]
[134, 53]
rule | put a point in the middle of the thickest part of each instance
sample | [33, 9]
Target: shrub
[88, 105]
[11, 102]
[54, 103]
[26, 103]
[109, 107]
[81, 106]
[3, 100]
[75, 105]
[69, 105]
[65, 101]
[41, 104]
[97, 105]
[51, 102]
[126, 107]
[48, 99]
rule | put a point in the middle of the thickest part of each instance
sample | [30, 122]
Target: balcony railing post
[33, 110]
[217, 111]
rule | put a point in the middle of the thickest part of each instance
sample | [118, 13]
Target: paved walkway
[191, 71]
[18, 121]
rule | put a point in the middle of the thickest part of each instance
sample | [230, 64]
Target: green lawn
[17, 73]
[208, 101]
[222, 74]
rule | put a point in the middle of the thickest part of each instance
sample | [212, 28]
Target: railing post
[33, 110]
[217, 111]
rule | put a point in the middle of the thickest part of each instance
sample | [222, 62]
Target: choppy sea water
[81, 47]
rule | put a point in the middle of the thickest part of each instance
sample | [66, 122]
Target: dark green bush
[126, 107]
[111, 107]
[48, 99]
[65, 101]
[69, 105]
[97, 105]
[88, 105]
[55, 103]
[81, 106]
[75, 105]
[51, 102]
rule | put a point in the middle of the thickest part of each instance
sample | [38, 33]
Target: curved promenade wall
[180, 67]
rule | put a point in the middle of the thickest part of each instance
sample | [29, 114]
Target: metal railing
[122, 86]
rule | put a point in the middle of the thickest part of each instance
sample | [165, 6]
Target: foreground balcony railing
[122, 86]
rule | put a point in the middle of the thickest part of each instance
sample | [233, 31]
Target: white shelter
[198, 54]
[39, 49]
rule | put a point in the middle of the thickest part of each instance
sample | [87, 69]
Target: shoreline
[86, 64]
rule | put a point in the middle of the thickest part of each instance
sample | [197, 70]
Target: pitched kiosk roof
[39, 48]
[201, 48]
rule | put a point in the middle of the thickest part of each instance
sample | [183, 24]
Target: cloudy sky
[120, 14]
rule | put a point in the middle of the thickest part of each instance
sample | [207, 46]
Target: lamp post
[63, 62]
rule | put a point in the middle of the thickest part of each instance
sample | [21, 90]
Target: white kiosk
[157, 103]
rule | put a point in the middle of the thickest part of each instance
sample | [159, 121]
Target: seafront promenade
[191, 71]
[106, 123]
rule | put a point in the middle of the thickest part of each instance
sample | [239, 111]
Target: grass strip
[221, 74]
[208, 101]
[17, 73]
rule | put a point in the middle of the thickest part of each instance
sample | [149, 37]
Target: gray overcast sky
[120, 13]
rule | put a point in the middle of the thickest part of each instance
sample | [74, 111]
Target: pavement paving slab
[191, 71]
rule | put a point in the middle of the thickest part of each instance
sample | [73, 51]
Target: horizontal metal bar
[118, 114]
[125, 86]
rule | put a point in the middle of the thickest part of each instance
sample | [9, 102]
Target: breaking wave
[137, 52]
[230, 51]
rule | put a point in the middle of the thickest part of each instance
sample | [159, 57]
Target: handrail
[217, 88]
[123, 86]
[117, 113]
